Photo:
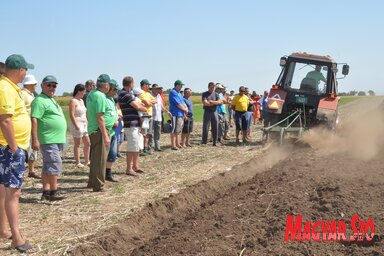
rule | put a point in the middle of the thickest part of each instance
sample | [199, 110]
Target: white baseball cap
[137, 91]
[29, 79]
[220, 86]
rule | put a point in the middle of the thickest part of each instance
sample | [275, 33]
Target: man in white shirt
[28, 94]
[156, 115]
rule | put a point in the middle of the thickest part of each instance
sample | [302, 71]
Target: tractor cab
[305, 93]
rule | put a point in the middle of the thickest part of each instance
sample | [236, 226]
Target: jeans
[112, 154]
[156, 134]
[210, 118]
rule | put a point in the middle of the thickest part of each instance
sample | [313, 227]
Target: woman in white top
[78, 126]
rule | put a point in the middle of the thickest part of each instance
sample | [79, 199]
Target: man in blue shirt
[178, 111]
[188, 122]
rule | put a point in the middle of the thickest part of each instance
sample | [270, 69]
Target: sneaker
[101, 189]
[45, 198]
[147, 151]
[120, 155]
[80, 165]
[34, 175]
[111, 178]
[56, 198]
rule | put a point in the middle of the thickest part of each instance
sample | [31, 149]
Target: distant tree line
[357, 93]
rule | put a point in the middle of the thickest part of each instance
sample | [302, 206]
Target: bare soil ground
[243, 212]
[231, 200]
[56, 228]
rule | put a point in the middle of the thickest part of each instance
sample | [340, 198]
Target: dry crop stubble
[54, 229]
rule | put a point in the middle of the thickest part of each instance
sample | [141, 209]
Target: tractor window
[307, 77]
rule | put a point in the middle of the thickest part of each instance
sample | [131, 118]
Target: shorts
[249, 120]
[241, 121]
[135, 140]
[52, 163]
[12, 167]
[32, 154]
[223, 124]
[230, 113]
[150, 129]
[177, 124]
[112, 154]
[120, 138]
[78, 133]
[188, 125]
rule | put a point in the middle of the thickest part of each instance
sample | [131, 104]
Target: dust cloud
[361, 136]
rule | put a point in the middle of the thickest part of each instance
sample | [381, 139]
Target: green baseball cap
[156, 86]
[144, 81]
[16, 61]
[103, 78]
[49, 79]
[178, 82]
[114, 84]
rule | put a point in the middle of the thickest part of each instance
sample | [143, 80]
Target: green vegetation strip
[197, 107]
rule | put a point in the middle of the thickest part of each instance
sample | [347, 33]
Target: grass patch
[155, 196]
[91, 201]
[119, 189]
[347, 99]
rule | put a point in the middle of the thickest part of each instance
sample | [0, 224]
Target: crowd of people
[102, 116]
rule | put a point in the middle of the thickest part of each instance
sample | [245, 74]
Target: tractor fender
[329, 103]
[328, 111]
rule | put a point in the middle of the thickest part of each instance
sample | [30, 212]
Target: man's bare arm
[8, 132]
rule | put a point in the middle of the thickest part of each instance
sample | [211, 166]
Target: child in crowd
[137, 92]
[167, 127]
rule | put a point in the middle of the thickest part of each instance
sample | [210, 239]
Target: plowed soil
[324, 176]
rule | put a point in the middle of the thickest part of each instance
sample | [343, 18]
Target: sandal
[7, 237]
[139, 171]
[175, 148]
[80, 165]
[34, 175]
[24, 248]
[132, 173]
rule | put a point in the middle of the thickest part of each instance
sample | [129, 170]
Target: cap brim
[30, 66]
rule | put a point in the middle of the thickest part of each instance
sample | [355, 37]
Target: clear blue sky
[232, 42]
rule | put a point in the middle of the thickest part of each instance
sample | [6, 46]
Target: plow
[303, 97]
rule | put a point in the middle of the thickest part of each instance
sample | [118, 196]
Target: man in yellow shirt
[28, 95]
[148, 100]
[2, 68]
[15, 133]
[240, 104]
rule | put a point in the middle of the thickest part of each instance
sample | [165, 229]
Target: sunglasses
[51, 85]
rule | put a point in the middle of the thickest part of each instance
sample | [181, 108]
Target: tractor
[304, 96]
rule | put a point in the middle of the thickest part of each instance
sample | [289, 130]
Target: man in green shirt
[316, 75]
[111, 122]
[98, 132]
[48, 135]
